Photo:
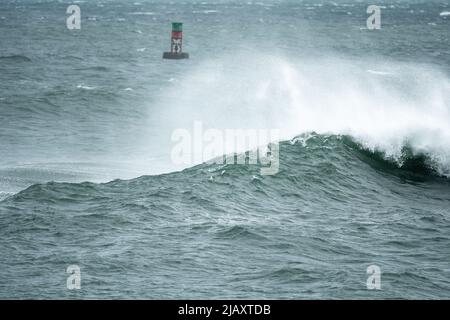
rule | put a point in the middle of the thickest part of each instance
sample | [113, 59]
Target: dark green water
[226, 232]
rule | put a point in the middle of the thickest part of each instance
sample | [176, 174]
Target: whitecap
[206, 11]
[140, 13]
[380, 73]
[80, 86]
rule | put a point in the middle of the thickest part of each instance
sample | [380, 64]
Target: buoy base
[176, 56]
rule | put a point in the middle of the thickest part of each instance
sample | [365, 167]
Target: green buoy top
[177, 26]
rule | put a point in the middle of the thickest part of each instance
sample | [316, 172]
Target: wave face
[308, 232]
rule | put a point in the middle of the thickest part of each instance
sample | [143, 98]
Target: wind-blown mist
[383, 105]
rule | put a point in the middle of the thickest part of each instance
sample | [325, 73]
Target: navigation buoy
[176, 43]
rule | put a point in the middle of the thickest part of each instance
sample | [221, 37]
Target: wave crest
[408, 107]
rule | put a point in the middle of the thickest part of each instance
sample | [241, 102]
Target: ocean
[88, 180]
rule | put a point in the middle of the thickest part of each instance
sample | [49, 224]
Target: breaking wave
[387, 107]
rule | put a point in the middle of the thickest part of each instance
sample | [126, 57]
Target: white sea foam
[381, 73]
[410, 106]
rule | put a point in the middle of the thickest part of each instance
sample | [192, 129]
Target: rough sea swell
[308, 232]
